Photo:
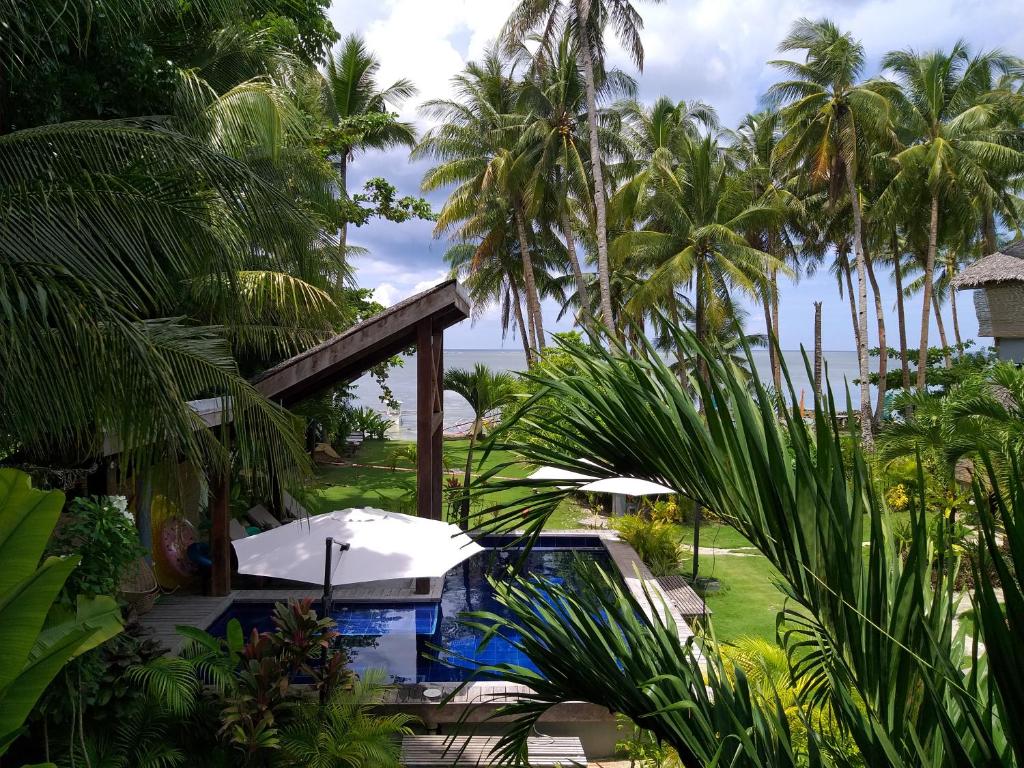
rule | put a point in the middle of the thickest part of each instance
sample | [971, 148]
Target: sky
[713, 50]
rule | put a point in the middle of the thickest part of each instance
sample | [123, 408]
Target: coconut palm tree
[588, 19]
[954, 146]
[694, 221]
[360, 110]
[477, 148]
[554, 97]
[754, 146]
[830, 117]
[486, 391]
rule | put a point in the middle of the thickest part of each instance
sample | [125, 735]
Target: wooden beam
[220, 537]
[437, 427]
[425, 372]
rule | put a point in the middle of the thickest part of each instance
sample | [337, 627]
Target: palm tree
[359, 109]
[755, 144]
[554, 97]
[587, 18]
[153, 262]
[954, 146]
[477, 147]
[830, 116]
[694, 219]
[486, 391]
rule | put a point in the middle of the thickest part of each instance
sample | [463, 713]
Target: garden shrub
[102, 531]
[656, 542]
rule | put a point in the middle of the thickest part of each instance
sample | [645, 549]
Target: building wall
[1010, 349]
[1006, 310]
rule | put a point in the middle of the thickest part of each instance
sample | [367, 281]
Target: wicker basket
[139, 587]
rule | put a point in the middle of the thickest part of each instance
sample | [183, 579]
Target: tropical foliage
[38, 637]
[870, 635]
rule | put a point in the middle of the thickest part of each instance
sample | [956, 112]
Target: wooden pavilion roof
[345, 357]
[1004, 266]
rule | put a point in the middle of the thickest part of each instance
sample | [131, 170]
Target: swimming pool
[396, 637]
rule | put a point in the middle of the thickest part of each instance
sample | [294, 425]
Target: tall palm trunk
[951, 271]
[926, 300]
[817, 350]
[342, 168]
[956, 323]
[852, 300]
[771, 325]
[577, 270]
[600, 209]
[468, 479]
[947, 358]
[700, 331]
[988, 225]
[901, 316]
[866, 427]
[532, 295]
[517, 310]
[883, 349]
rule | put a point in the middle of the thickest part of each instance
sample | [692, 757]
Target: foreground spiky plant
[869, 634]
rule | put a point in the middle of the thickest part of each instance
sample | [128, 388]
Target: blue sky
[714, 50]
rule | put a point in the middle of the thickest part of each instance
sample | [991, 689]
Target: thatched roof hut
[998, 282]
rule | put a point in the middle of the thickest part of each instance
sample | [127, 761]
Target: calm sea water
[842, 365]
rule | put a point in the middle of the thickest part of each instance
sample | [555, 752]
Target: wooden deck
[438, 751]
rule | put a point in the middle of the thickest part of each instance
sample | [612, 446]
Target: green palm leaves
[869, 633]
[36, 637]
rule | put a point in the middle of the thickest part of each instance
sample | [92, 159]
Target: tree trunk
[988, 225]
[464, 503]
[926, 300]
[517, 310]
[700, 332]
[768, 324]
[851, 297]
[577, 270]
[947, 358]
[901, 317]
[600, 210]
[532, 295]
[817, 351]
[866, 431]
[777, 372]
[956, 324]
[883, 349]
[343, 234]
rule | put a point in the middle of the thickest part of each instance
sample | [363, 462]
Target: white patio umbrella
[377, 545]
[553, 473]
[626, 486]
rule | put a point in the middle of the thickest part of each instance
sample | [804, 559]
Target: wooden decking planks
[438, 751]
[172, 611]
[683, 595]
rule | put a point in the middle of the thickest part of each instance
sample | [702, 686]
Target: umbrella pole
[325, 605]
[328, 570]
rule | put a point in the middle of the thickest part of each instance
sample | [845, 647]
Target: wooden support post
[429, 420]
[220, 537]
[425, 372]
[437, 427]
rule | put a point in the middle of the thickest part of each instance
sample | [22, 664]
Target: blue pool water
[398, 637]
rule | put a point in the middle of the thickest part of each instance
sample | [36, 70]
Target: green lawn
[378, 485]
[746, 604]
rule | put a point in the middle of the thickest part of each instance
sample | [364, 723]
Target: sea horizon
[841, 365]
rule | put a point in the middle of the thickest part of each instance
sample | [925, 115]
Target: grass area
[376, 484]
[747, 600]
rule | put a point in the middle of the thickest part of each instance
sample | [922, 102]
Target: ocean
[841, 367]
